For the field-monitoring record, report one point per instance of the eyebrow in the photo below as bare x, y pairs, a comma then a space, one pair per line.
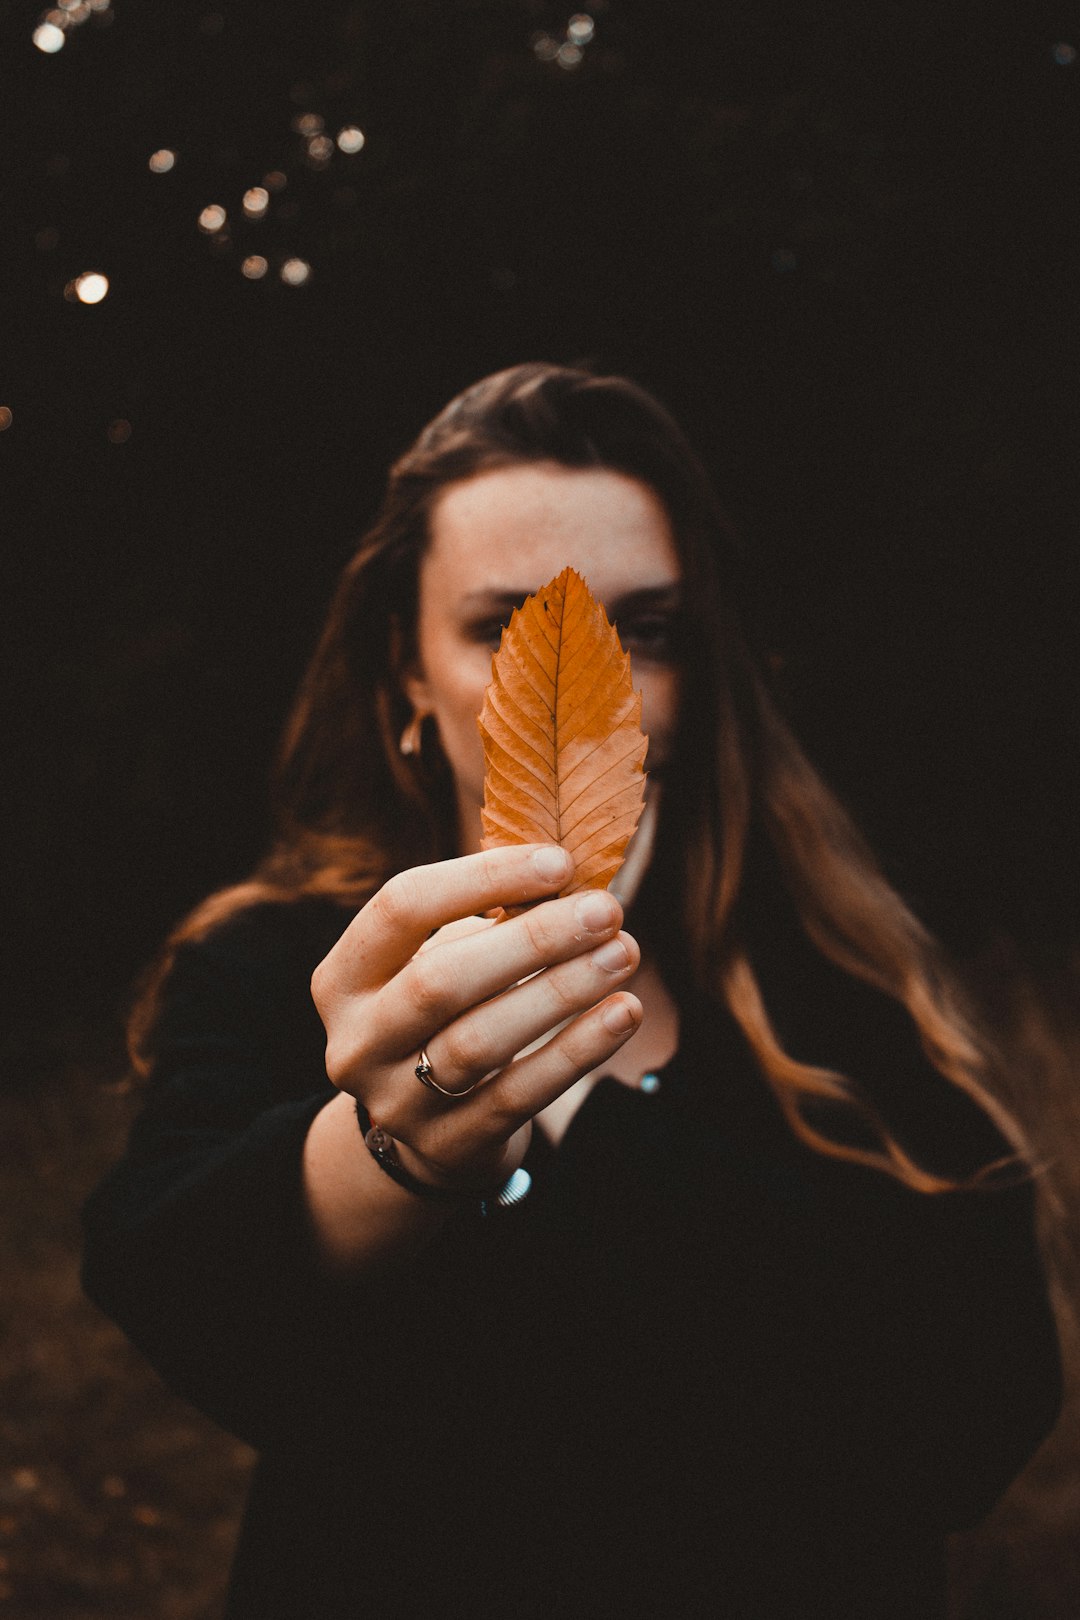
667, 594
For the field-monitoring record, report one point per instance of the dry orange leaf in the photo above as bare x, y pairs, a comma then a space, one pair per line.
561, 723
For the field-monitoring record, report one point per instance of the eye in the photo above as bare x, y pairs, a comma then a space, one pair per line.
486, 632
650, 635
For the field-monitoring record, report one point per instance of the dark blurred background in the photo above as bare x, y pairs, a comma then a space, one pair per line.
839, 240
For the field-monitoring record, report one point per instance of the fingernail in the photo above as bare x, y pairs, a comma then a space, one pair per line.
552, 864
612, 957
595, 912
618, 1018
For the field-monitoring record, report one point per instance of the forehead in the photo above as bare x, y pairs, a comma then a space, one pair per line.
513, 529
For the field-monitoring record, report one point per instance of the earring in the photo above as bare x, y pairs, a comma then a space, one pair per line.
410, 737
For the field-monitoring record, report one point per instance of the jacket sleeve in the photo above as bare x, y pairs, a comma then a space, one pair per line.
197, 1243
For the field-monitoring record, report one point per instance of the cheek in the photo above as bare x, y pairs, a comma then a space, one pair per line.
459, 696
659, 709
468, 685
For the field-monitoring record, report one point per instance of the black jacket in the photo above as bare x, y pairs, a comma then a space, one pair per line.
699, 1371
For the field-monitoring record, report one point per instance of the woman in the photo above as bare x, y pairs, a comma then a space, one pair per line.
759, 1334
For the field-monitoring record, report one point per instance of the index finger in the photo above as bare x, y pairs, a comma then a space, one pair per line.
397, 920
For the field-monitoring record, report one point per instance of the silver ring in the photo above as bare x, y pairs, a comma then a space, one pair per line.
426, 1077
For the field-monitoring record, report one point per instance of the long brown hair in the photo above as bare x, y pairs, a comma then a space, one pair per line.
350, 810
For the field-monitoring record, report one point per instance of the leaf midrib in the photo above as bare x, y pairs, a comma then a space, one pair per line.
555, 718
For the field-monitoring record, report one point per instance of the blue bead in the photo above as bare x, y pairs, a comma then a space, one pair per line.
515, 1189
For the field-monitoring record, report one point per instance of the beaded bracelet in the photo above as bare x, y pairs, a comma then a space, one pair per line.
383, 1150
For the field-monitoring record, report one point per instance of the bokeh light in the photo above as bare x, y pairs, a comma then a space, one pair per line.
118, 431
275, 180
7, 416
294, 272
254, 267
568, 51
320, 150
1064, 54
256, 202
581, 28
308, 124
162, 161
351, 139
90, 287
212, 219
48, 38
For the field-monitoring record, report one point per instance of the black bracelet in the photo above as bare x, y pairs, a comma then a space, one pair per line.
383, 1150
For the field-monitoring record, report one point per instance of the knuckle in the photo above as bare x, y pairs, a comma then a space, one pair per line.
346, 1053
540, 929
563, 994
504, 1114
337, 1060
581, 1046
460, 1051
321, 982
385, 1106
428, 987
397, 902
